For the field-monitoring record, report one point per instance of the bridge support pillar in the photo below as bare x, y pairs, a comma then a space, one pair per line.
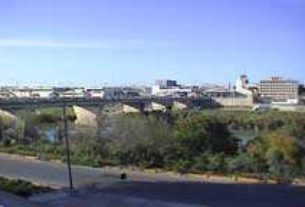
8, 116
86, 117
179, 105
130, 109
158, 107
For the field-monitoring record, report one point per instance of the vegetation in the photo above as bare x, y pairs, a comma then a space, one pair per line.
264, 145
21, 188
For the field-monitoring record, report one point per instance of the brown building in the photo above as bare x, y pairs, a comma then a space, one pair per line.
278, 89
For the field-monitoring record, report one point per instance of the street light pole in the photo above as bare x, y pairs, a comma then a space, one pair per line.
67, 147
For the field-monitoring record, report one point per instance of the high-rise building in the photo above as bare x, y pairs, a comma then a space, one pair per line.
278, 89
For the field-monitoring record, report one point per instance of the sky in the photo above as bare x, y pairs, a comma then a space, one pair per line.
121, 42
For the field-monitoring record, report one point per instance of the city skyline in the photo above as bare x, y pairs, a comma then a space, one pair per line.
132, 42
228, 84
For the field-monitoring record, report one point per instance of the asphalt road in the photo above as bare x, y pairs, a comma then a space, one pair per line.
212, 195
184, 194
154, 189
50, 173
55, 174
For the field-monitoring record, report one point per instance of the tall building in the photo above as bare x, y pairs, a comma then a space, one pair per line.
278, 90
166, 83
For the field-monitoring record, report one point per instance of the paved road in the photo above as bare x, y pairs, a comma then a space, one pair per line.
152, 189
55, 174
9, 200
213, 195
182, 194
49, 173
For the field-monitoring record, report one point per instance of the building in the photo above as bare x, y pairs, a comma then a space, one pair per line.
114, 93
279, 90
170, 88
242, 85
22, 92
5, 94
68, 92
240, 95
229, 98
144, 91
94, 93
302, 90
166, 83
41, 92
302, 94
26, 92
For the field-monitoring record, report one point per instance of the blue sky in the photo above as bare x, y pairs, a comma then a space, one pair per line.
119, 42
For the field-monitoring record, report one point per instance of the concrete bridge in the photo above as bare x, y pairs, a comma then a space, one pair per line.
87, 110
142, 104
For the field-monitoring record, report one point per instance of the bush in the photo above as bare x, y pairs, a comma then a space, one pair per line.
183, 166
201, 163
242, 163
217, 163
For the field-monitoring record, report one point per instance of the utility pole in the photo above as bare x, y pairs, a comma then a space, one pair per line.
67, 143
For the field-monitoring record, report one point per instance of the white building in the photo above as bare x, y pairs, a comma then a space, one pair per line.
31, 92
42, 92
95, 93
242, 85
67, 92
170, 88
